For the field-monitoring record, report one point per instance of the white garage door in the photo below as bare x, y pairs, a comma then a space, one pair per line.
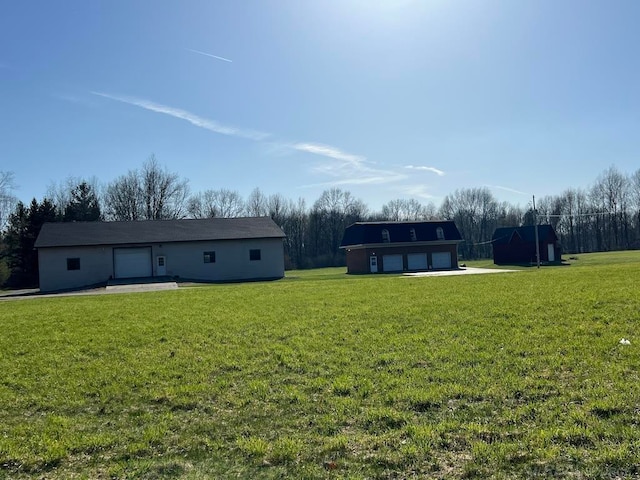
417, 261
132, 262
441, 260
392, 263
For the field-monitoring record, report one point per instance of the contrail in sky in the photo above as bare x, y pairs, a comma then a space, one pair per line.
210, 55
507, 189
346, 168
192, 118
426, 169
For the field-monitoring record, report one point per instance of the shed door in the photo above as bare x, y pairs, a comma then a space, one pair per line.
417, 261
441, 260
551, 253
392, 263
132, 262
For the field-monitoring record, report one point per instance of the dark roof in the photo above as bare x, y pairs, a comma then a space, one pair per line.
362, 233
71, 234
502, 236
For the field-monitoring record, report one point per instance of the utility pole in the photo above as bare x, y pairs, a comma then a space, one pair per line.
535, 222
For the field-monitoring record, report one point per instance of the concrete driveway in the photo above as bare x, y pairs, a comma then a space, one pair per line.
461, 271
109, 289
150, 287
141, 287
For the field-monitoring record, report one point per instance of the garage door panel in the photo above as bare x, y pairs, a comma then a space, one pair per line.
132, 262
392, 263
417, 261
441, 260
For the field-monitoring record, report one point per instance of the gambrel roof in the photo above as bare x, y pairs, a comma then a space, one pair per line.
503, 235
73, 234
367, 233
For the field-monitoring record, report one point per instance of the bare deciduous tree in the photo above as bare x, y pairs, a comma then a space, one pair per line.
475, 212
277, 208
256, 205
634, 193
610, 200
153, 193
296, 226
216, 203
7, 199
402, 210
331, 214
164, 193
123, 198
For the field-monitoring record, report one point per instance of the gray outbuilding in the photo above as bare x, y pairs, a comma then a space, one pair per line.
78, 254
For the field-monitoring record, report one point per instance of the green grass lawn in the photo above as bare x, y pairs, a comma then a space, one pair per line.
325, 375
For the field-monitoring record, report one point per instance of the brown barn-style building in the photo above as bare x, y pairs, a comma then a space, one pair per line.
377, 247
517, 245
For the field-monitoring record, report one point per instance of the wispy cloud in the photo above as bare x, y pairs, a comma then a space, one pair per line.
343, 168
370, 176
361, 180
346, 168
507, 189
328, 151
192, 118
425, 169
86, 101
210, 55
420, 191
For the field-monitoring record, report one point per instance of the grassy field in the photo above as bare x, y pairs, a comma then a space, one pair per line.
324, 375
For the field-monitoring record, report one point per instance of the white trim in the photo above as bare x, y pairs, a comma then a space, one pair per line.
402, 244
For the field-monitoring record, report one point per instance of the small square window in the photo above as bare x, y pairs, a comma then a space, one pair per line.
73, 264
209, 257
254, 254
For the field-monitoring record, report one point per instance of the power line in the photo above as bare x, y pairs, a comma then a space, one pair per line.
487, 242
560, 215
552, 215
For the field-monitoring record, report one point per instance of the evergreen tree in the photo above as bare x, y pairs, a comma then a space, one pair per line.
15, 232
83, 206
22, 231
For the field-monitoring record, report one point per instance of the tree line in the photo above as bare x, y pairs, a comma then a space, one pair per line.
604, 216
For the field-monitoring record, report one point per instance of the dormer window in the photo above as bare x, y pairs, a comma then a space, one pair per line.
440, 233
412, 235
385, 236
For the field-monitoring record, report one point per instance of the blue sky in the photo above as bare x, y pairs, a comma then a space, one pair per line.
385, 99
